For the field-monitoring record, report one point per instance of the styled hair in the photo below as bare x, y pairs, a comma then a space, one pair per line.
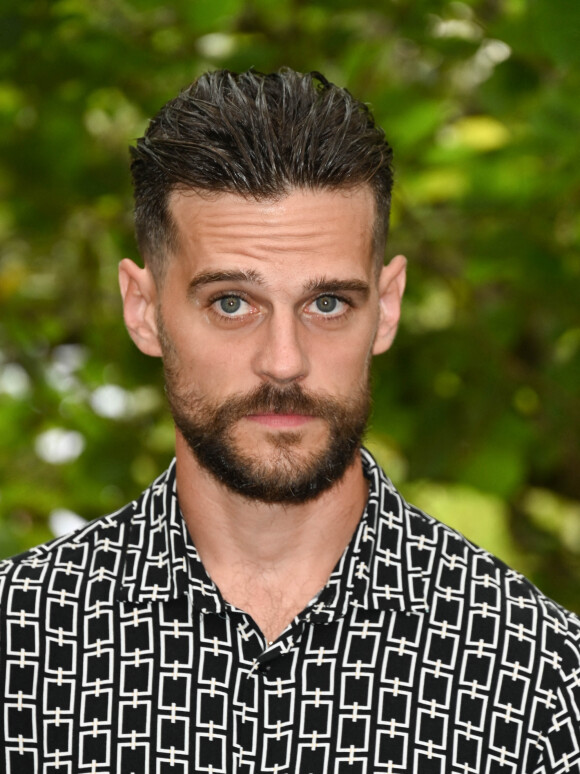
259, 136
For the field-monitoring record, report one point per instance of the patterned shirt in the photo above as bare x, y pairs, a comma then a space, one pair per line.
422, 653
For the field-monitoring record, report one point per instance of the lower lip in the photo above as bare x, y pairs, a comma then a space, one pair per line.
280, 420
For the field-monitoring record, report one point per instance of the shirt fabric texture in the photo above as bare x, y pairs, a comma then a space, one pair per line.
423, 653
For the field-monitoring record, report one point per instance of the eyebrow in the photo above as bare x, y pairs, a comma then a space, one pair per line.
317, 285
323, 285
209, 277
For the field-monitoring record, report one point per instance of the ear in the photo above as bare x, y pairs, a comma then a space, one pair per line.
139, 293
391, 288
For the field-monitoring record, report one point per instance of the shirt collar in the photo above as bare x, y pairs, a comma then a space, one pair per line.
379, 569
160, 561
386, 566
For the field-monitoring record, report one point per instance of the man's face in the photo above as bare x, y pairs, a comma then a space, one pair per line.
267, 319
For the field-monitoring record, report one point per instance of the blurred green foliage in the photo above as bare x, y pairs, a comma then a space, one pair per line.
477, 414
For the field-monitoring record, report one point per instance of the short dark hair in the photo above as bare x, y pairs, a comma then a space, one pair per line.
258, 136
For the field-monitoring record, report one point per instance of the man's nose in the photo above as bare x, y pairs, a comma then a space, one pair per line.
281, 355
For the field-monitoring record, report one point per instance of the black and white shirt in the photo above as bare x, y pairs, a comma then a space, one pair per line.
423, 653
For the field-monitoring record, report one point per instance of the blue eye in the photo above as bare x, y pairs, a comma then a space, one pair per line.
230, 305
326, 304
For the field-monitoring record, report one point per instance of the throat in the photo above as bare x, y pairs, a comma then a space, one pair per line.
272, 607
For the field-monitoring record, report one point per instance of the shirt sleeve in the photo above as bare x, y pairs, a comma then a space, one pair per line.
561, 743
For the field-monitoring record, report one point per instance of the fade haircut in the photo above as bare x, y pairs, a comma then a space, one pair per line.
258, 136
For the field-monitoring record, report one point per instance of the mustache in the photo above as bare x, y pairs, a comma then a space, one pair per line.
266, 398
270, 399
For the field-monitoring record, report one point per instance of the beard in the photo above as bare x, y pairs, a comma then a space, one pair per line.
289, 474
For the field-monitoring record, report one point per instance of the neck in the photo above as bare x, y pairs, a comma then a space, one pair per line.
268, 559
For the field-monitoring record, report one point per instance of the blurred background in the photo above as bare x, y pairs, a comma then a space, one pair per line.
477, 408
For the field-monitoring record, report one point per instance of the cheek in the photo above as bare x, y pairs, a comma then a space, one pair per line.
213, 368
341, 366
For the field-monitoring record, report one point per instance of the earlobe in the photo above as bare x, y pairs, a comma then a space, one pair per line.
139, 294
391, 289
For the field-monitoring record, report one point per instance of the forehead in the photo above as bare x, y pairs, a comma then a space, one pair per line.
304, 228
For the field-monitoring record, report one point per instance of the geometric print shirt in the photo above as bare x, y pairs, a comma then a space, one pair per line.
423, 653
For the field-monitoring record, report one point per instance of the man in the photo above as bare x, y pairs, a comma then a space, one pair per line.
270, 603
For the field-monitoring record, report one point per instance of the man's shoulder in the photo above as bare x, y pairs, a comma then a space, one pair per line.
75, 551
458, 568
69, 548
446, 574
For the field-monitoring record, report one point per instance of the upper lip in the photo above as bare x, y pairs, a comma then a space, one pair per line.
279, 414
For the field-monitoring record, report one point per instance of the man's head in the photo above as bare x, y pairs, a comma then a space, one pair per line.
259, 136
262, 209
